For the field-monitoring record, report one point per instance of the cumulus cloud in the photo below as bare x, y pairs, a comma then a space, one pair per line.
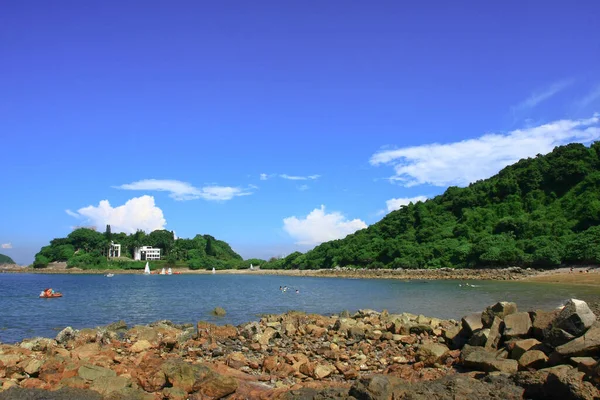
461, 163
396, 204
537, 97
299, 178
264, 177
184, 191
318, 227
6, 245
137, 213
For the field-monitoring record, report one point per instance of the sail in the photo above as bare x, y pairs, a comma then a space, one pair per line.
163, 272
169, 271
147, 269
213, 270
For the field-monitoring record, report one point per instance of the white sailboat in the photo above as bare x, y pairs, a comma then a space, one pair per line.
213, 270
169, 271
163, 272
147, 269
251, 267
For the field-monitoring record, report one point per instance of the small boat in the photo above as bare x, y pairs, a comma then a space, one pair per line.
213, 271
169, 271
110, 275
147, 269
45, 295
163, 272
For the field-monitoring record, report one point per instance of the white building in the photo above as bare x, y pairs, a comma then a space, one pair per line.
115, 250
146, 253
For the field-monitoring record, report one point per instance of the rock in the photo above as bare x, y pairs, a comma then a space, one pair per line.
33, 366
356, 333
588, 344
185, 376
575, 317
533, 359
93, 372
498, 310
66, 334
109, 384
141, 345
447, 388
556, 383
556, 337
584, 364
65, 393
517, 325
219, 312
495, 334
217, 387
482, 360
322, 371
171, 393
38, 344
431, 353
542, 322
471, 323
520, 347
266, 336
480, 337
86, 351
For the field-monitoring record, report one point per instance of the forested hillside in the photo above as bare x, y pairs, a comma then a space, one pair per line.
539, 212
6, 259
86, 248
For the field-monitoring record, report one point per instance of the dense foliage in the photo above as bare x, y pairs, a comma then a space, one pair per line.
88, 249
6, 259
540, 212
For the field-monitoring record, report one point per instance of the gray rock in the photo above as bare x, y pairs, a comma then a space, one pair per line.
495, 335
66, 334
520, 347
471, 323
480, 337
586, 345
482, 360
500, 310
575, 318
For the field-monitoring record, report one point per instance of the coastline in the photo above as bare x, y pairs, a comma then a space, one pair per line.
589, 276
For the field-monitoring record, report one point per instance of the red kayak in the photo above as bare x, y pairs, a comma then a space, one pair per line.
50, 296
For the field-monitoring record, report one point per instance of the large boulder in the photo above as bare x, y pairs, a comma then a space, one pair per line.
499, 310
432, 353
471, 323
517, 325
542, 322
575, 317
482, 360
557, 383
587, 344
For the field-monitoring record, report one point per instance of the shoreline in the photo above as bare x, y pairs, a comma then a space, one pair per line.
589, 276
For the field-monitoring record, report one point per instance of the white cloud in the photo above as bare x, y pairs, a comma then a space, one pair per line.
537, 97
6, 246
461, 163
72, 214
299, 178
318, 227
302, 188
396, 204
264, 177
137, 213
184, 191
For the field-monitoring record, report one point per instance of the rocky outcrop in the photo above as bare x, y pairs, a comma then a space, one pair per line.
369, 354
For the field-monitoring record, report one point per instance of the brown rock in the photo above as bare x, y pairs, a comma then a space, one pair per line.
517, 325
587, 344
542, 322
141, 345
533, 359
519, 347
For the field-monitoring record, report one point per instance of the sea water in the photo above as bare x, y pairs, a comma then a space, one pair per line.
95, 300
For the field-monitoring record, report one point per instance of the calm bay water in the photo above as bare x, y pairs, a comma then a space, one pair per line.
94, 300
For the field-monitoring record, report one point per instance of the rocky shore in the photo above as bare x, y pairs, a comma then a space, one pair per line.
499, 353
510, 273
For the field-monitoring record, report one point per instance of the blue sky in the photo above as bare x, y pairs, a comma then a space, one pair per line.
275, 125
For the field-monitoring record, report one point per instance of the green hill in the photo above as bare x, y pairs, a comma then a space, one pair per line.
540, 212
86, 248
6, 259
